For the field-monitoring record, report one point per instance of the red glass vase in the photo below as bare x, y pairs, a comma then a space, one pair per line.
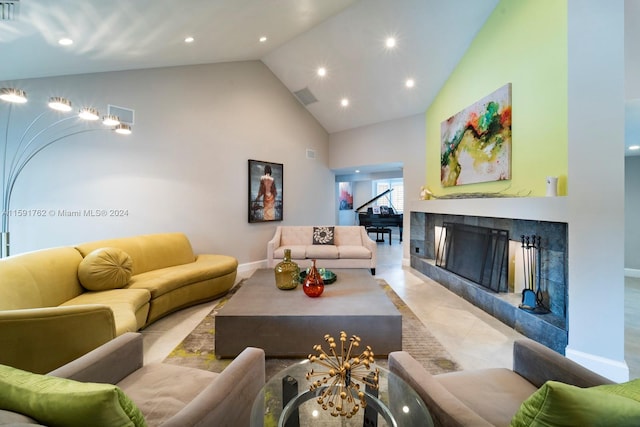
313, 285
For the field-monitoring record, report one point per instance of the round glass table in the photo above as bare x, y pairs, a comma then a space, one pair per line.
286, 400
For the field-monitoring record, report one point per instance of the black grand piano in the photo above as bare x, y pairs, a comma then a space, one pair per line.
380, 223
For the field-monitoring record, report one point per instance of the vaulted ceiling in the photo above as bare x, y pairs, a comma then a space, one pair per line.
345, 37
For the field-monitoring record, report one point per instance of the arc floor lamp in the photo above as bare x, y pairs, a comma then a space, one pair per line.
44, 130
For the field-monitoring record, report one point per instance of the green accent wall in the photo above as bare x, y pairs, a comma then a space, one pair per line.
524, 42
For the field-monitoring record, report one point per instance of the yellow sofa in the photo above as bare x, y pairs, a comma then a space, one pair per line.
48, 318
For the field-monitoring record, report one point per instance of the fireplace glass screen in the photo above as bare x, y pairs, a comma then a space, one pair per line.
479, 254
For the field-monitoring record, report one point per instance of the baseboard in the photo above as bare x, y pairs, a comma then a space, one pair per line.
251, 266
631, 272
406, 262
615, 370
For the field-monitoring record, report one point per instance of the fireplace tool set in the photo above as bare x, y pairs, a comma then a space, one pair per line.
532, 299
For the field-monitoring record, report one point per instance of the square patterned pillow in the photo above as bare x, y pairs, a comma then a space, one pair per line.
323, 235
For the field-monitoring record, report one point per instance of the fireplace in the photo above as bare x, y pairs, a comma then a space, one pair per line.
479, 254
485, 278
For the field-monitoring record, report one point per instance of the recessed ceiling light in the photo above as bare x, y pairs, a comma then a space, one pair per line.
410, 83
357, 170
390, 42
65, 41
263, 39
189, 39
634, 147
322, 71
344, 102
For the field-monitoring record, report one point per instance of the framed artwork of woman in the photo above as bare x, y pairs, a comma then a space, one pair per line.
265, 191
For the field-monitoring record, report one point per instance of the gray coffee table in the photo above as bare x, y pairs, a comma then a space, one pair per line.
289, 323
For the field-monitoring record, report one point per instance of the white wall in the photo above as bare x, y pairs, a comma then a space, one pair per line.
185, 166
596, 180
596, 185
402, 140
631, 209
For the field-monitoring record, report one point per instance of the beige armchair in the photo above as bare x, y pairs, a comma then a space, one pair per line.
490, 397
171, 395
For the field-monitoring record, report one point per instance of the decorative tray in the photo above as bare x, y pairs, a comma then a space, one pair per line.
328, 276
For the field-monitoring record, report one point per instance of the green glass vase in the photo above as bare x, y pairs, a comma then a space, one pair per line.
287, 272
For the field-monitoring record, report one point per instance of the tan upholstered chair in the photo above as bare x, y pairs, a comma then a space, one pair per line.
490, 397
171, 395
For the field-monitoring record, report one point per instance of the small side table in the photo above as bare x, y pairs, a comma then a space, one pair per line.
286, 400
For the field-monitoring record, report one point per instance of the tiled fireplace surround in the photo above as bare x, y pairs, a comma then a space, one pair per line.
549, 329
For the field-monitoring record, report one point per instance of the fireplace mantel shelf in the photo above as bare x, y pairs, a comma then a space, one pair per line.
552, 209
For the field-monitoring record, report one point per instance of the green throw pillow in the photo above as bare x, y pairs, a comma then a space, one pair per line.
630, 389
62, 402
562, 405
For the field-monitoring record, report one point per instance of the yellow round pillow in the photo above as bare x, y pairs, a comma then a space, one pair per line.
105, 268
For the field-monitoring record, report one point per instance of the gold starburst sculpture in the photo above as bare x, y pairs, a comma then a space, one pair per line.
341, 383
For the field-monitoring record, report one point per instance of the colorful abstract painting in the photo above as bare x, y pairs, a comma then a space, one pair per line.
346, 196
476, 142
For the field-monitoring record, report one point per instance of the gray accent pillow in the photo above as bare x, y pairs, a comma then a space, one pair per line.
323, 235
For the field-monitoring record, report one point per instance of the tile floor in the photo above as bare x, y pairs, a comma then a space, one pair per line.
472, 337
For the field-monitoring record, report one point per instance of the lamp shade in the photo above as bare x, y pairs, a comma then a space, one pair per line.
60, 104
88, 113
110, 120
123, 129
13, 95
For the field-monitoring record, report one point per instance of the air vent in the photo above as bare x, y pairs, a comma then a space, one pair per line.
311, 154
9, 10
305, 96
126, 115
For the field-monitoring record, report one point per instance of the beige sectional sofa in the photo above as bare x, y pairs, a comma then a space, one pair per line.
57, 304
349, 247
